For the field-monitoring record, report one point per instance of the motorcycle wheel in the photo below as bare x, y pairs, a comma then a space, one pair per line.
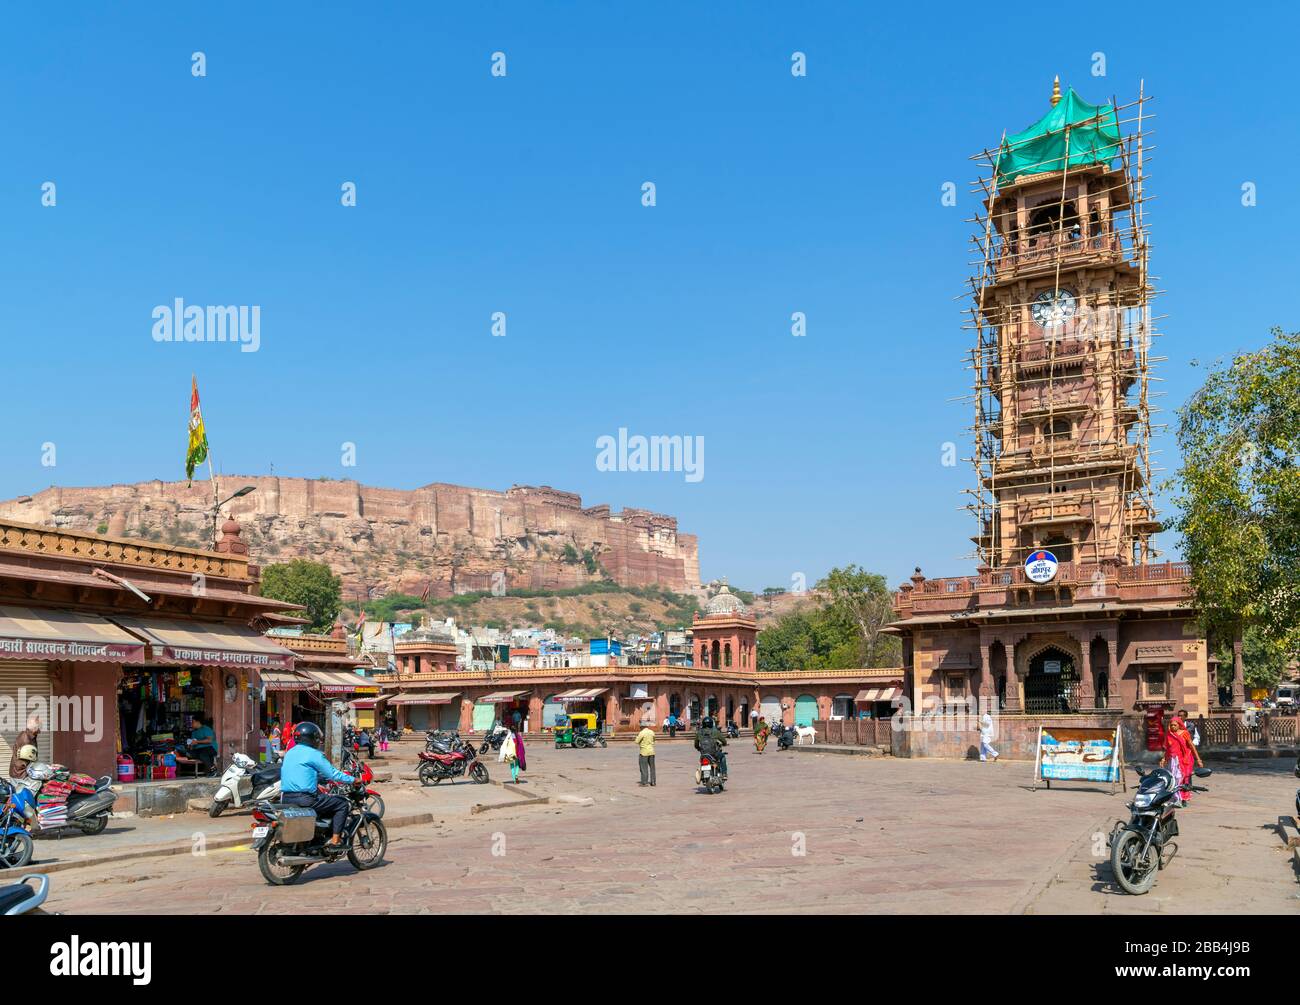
374, 804
1133, 876
16, 850
428, 775
93, 826
479, 773
274, 871
603, 743
218, 807
368, 844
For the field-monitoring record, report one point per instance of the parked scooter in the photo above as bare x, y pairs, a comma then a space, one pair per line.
733, 730
460, 759
245, 782
1142, 847
289, 839
86, 812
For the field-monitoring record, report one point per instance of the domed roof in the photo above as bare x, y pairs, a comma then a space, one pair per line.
724, 602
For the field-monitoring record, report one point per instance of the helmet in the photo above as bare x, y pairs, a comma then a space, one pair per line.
707, 723
27, 753
308, 733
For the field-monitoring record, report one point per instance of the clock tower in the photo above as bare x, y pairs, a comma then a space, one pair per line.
1063, 330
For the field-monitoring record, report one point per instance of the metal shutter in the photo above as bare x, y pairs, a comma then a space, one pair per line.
34, 678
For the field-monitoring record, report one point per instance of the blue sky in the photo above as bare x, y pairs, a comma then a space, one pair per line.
522, 194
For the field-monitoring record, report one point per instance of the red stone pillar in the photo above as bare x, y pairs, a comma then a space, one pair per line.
1087, 699
1013, 679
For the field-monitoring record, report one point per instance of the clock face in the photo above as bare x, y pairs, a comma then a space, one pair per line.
1052, 308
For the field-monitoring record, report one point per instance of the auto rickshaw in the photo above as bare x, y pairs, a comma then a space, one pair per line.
580, 724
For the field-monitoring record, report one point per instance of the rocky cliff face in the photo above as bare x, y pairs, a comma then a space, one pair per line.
446, 537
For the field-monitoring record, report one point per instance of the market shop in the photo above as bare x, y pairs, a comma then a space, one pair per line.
109, 643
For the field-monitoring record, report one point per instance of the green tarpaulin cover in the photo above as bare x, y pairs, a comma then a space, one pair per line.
1092, 132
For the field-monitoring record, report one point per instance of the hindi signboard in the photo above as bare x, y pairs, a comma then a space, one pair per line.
1078, 753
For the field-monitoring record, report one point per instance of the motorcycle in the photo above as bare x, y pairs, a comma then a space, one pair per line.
244, 782
733, 730
710, 773
1144, 845
16, 816
461, 759
20, 898
373, 801
86, 812
494, 738
586, 738
438, 742
289, 839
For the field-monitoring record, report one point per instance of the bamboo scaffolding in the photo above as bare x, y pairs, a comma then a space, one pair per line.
1063, 420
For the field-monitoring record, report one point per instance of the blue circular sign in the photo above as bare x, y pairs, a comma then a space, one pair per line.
1040, 566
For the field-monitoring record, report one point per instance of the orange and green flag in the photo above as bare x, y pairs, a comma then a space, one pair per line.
197, 452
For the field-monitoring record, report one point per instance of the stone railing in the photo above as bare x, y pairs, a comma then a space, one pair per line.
1103, 580
1232, 731
51, 542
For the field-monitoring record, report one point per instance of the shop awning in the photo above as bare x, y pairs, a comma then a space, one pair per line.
499, 696
36, 633
878, 694
328, 682
275, 681
210, 643
581, 694
364, 703
423, 699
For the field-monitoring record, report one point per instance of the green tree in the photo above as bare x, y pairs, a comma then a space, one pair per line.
311, 584
863, 600
1239, 496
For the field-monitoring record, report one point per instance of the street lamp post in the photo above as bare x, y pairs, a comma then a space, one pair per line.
216, 508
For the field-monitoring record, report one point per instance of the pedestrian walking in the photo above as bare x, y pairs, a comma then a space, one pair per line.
986, 738
512, 751
672, 725
645, 741
1191, 727
761, 732
383, 736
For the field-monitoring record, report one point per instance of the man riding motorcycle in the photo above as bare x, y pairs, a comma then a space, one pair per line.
709, 740
304, 765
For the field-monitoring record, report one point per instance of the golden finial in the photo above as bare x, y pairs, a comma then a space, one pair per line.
1056, 91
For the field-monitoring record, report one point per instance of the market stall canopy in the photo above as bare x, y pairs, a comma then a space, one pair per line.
340, 683
210, 643
877, 694
423, 699
364, 703
35, 633
581, 694
500, 696
274, 681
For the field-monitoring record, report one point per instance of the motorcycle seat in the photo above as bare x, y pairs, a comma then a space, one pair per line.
12, 896
268, 775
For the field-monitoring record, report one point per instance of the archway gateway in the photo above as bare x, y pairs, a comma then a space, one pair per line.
1052, 683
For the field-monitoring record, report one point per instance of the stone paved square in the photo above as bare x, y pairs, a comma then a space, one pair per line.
881, 835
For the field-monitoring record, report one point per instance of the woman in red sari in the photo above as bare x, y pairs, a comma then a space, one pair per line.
1180, 754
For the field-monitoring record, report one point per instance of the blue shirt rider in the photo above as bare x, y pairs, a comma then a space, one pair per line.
301, 772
